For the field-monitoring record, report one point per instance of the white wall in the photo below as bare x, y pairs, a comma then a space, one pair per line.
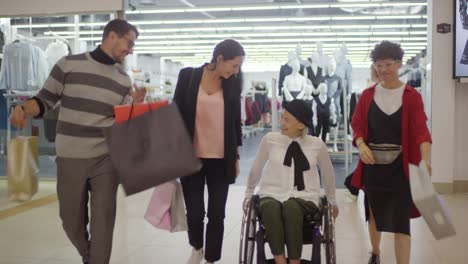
11, 8
170, 72
461, 133
449, 102
160, 71
150, 64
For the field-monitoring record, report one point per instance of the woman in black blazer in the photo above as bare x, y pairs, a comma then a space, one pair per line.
208, 98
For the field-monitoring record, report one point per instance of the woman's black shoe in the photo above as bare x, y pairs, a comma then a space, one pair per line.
374, 259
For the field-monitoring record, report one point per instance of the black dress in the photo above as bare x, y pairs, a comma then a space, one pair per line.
386, 187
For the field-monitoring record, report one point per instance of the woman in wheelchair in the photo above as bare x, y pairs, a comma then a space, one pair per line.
286, 169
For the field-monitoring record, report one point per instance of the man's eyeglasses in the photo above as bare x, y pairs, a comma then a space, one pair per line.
130, 42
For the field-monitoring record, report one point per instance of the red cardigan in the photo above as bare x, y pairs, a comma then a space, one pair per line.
414, 130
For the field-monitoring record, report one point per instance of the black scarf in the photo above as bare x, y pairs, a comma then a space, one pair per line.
301, 163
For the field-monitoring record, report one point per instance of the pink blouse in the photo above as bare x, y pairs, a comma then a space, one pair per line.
209, 125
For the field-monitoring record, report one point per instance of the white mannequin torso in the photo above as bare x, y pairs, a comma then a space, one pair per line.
294, 82
323, 98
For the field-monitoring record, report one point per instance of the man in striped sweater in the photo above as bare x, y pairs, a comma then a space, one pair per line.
88, 86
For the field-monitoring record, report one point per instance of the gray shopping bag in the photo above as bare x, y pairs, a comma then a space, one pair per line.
151, 149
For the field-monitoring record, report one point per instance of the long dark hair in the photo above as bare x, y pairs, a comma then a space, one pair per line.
229, 49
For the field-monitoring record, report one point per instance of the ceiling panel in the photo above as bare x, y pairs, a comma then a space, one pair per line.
186, 31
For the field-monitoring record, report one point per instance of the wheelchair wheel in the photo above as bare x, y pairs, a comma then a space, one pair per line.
248, 230
329, 234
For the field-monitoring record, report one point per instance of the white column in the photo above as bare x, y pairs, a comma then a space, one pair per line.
440, 50
274, 108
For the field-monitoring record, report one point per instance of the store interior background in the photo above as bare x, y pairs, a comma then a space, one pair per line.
176, 34
268, 33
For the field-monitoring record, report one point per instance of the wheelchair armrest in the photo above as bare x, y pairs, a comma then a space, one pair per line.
255, 202
323, 203
316, 217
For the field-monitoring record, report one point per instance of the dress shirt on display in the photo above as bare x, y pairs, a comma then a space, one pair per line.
55, 51
24, 67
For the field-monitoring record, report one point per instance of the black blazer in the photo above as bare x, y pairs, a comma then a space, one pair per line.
186, 99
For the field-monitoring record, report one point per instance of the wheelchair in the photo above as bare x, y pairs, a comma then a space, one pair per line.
318, 230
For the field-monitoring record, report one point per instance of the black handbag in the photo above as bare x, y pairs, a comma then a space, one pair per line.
353, 190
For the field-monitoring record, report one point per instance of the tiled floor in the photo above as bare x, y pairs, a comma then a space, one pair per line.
36, 236
32, 234
46, 187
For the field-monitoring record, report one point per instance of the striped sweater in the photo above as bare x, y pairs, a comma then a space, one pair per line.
87, 91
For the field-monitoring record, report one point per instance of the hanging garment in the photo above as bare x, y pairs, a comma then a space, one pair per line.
24, 67
257, 114
55, 51
263, 104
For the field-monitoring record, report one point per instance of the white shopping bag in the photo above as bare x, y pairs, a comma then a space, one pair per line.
429, 203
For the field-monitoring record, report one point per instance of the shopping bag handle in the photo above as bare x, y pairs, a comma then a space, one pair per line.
131, 110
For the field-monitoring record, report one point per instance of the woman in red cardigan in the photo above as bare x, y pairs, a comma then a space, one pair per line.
390, 131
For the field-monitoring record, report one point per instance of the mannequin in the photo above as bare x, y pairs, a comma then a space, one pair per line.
286, 70
304, 63
334, 83
335, 89
344, 71
315, 73
323, 58
323, 109
344, 68
294, 85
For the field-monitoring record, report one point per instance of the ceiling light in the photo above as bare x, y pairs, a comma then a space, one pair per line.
353, 4
275, 19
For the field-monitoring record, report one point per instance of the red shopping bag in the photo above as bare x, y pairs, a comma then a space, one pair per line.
122, 112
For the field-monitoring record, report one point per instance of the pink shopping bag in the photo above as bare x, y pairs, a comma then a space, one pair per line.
158, 212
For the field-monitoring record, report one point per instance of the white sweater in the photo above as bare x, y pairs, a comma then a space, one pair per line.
277, 180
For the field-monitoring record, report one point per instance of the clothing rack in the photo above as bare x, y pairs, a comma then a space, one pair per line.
56, 36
